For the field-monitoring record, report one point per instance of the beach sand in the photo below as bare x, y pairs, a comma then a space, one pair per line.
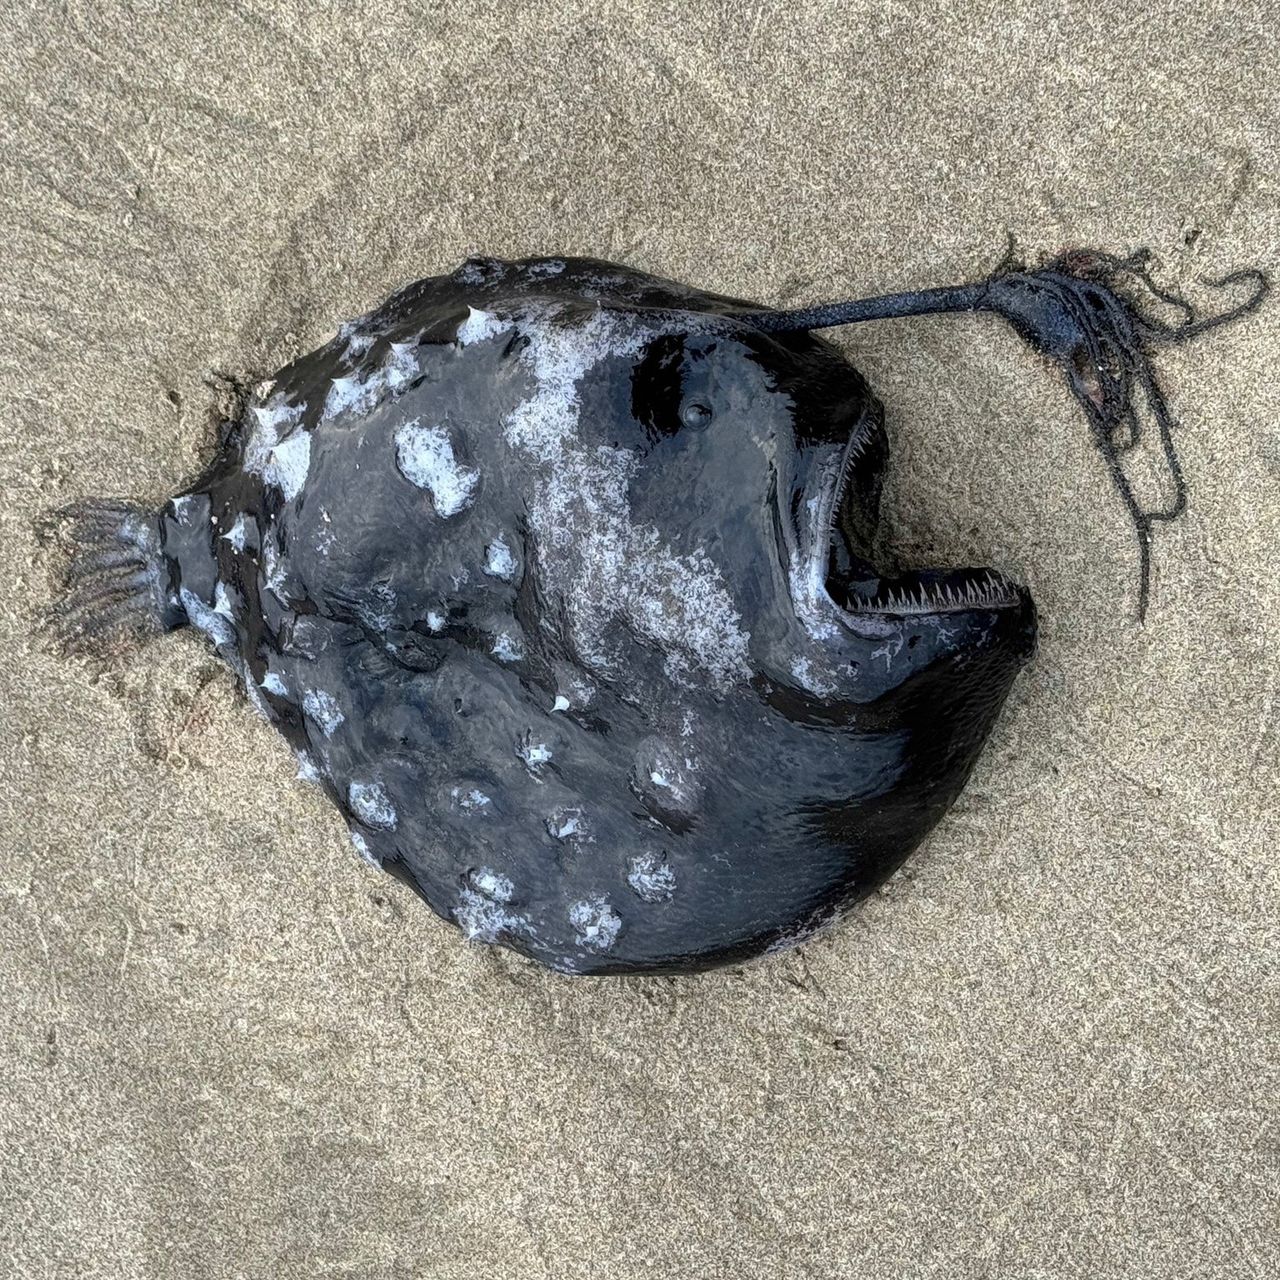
1048, 1048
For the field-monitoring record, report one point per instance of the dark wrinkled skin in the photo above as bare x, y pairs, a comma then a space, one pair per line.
800, 753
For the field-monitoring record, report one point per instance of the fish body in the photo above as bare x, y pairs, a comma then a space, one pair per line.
558, 578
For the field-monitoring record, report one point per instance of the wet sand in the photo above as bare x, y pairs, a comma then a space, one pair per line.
1046, 1049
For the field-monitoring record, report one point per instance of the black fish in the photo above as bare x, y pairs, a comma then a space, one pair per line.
557, 577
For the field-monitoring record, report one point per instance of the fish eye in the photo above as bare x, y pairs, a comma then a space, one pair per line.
695, 414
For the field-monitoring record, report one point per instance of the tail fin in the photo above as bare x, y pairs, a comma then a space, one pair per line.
115, 586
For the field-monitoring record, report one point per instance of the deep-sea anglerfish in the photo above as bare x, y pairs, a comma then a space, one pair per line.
560, 579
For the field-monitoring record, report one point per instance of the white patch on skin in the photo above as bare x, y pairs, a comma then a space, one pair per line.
593, 556
804, 674
551, 267
371, 804
221, 601
481, 919
507, 648
214, 622
357, 341
473, 273
290, 462
359, 392
217, 624
378, 613
534, 754
277, 451
307, 769
889, 650
349, 394
435, 621
425, 458
498, 560
362, 848
273, 568
235, 535
325, 534
480, 326
651, 878
568, 824
494, 886
670, 778
468, 801
183, 508
322, 707
273, 683
561, 703
595, 923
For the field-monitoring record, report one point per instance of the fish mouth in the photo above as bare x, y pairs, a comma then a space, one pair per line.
842, 526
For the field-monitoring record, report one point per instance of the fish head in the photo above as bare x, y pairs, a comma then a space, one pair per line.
722, 487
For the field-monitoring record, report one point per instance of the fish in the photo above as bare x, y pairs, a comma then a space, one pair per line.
561, 580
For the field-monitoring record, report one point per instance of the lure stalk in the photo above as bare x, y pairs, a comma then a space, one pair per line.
1074, 311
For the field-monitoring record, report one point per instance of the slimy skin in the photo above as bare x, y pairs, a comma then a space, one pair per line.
556, 578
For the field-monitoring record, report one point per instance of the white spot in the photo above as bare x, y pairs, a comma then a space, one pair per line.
214, 622
274, 573
184, 508
498, 560
235, 535
595, 558
357, 340
534, 754
659, 769
435, 621
507, 647
222, 601
595, 923
479, 270
307, 769
273, 683
561, 703
481, 919
807, 678
549, 267
290, 461
277, 451
323, 708
371, 804
379, 612
565, 824
480, 326
351, 394
492, 885
362, 848
425, 458
651, 878
469, 800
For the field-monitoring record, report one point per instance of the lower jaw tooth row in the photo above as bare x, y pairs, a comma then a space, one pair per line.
972, 594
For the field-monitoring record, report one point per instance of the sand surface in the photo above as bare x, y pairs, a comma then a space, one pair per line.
1049, 1048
